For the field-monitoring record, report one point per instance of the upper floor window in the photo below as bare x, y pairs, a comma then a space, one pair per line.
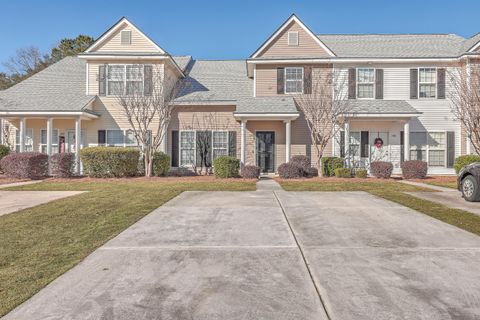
366, 83
293, 38
294, 80
427, 82
125, 79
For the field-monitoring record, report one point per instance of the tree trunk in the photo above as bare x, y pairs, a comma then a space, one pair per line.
148, 163
319, 167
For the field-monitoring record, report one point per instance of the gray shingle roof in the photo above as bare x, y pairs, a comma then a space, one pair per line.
393, 46
182, 61
469, 43
60, 87
280, 104
380, 107
220, 80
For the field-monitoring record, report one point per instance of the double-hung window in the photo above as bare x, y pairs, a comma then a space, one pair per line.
43, 141
427, 83
28, 140
418, 146
220, 144
294, 80
354, 144
436, 149
429, 147
125, 79
115, 138
366, 83
187, 148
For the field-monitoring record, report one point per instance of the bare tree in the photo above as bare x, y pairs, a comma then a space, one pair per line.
26, 61
324, 108
205, 123
465, 100
6, 133
149, 108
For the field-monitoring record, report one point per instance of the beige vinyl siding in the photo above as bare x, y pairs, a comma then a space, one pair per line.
266, 77
139, 43
307, 46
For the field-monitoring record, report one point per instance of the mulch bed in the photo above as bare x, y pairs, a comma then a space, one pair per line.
6, 180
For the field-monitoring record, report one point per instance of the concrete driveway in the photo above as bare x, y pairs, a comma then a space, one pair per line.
273, 255
12, 201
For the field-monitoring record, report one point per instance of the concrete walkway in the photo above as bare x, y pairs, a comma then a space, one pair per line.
17, 184
12, 201
268, 184
449, 197
273, 255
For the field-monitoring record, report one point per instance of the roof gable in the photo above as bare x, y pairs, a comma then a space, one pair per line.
110, 41
309, 45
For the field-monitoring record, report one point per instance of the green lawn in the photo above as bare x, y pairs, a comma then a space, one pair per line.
446, 184
39, 244
393, 191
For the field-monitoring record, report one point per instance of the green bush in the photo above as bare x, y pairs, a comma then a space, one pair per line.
110, 162
361, 173
462, 161
329, 164
161, 164
4, 150
343, 172
226, 167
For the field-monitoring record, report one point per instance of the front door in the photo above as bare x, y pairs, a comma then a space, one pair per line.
265, 148
70, 141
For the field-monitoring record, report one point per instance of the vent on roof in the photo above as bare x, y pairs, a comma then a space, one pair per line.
126, 37
293, 38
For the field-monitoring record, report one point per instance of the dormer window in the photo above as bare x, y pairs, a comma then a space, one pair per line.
126, 37
293, 38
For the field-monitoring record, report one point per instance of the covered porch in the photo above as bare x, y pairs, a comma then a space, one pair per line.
47, 132
388, 131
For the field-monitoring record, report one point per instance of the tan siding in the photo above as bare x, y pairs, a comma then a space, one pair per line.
307, 46
204, 118
139, 43
266, 77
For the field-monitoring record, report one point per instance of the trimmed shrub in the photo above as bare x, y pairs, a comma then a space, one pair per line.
161, 164
361, 173
311, 172
31, 165
226, 167
381, 169
61, 164
463, 161
414, 169
250, 172
4, 151
343, 172
109, 162
290, 171
302, 161
329, 164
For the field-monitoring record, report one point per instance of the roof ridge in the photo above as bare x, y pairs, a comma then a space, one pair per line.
389, 34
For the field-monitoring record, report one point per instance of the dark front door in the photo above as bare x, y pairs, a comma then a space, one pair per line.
266, 150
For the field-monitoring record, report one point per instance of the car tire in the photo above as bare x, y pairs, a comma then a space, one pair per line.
470, 189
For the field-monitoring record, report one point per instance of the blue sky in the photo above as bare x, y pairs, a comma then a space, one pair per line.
225, 29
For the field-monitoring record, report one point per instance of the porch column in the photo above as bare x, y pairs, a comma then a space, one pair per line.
406, 141
23, 124
243, 129
288, 138
49, 135
347, 142
77, 143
